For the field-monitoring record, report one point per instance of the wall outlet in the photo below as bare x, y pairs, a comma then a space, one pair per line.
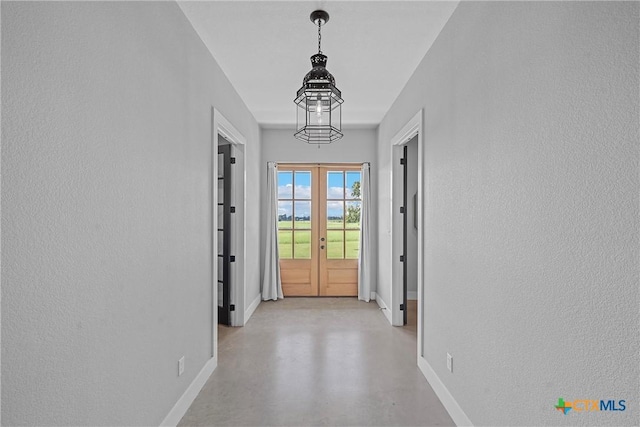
181, 366
450, 363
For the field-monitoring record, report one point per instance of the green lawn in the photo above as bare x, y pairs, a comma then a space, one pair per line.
302, 243
332, 223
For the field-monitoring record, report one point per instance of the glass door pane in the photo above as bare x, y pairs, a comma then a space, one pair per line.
297, 229
341, 207
294, 214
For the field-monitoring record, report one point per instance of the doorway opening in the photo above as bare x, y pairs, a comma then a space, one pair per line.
407, 226
224, 231
228, 226
319, 209
410, 234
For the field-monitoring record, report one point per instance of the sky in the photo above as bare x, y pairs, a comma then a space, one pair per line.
302, 190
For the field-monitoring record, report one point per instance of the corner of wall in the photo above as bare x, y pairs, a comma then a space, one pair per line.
184, 402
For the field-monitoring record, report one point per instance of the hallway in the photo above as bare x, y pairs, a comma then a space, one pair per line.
322, 361
526, 206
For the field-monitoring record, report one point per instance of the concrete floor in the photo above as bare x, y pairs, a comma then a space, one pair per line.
317, 361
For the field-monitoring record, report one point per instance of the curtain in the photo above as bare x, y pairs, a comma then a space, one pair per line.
271, 283
364, 257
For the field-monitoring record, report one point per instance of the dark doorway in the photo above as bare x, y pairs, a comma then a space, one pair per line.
224, 234
410, 231
405, 255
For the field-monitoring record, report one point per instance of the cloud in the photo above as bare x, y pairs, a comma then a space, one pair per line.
334, 193
303, 209
287, 191
303, 192
284, 208
334, 208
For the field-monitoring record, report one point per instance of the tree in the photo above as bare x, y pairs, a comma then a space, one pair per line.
355, 190
353, 210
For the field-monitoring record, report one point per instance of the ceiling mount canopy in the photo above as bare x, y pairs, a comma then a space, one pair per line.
319, 17
319, 112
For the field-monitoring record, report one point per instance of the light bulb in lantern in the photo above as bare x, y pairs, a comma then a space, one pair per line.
319, 110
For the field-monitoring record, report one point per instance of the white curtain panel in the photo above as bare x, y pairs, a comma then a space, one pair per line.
364, 258
271, 283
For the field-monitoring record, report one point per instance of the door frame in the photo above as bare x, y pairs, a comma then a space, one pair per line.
325, 263
410, 130
221, 126
313, 261
316, 195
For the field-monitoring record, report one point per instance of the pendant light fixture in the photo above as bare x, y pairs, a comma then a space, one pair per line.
319, 112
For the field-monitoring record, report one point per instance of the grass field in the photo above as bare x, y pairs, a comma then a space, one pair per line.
332, 223
335, 243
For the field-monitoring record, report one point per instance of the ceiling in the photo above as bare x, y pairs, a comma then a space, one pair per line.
373, 47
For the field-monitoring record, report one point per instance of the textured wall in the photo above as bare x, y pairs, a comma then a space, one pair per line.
357, 146
106, 260
531, 213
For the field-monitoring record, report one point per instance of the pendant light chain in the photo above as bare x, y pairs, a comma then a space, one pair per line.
319, 35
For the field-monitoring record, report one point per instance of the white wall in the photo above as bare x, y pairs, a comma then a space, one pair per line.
106, 233
358, 145
253, 219
531, 207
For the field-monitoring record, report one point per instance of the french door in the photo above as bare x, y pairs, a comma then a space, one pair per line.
319, 229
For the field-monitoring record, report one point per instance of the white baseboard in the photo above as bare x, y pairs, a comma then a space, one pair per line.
385, 310
252, 307
412, 295
450, 404
187, 398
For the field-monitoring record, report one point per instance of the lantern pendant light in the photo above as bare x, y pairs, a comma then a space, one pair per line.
319, 102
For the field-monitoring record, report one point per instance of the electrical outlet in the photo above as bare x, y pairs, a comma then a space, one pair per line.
181, 366
450, 363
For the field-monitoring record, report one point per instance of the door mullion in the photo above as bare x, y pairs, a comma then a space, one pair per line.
344, 214
315, 238
322, 227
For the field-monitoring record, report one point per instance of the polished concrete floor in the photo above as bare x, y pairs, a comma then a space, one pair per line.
317, 361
